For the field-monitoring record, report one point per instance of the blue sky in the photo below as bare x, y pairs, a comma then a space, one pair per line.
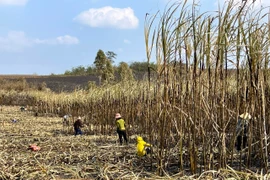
51, 36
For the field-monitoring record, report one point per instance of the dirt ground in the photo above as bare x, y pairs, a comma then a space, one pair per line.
65, 156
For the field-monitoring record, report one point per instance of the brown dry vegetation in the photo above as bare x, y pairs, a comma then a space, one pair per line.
64, 156
189, 115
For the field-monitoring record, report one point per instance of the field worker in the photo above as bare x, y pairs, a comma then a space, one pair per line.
14, 120
143, 148
22, 108
58, 110
65, 119
77, 126
121, 129
242, 130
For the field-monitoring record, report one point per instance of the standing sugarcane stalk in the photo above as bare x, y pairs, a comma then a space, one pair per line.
264, 128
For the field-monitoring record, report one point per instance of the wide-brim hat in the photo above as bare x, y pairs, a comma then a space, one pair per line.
245, 116
117, 115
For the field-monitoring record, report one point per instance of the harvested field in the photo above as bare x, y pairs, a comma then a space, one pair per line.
57, 83
65, 156
62, 155
64, 83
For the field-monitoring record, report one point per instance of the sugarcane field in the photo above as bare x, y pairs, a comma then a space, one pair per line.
97, 153
200, 113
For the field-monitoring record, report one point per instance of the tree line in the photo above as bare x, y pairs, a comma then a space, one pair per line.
103, 68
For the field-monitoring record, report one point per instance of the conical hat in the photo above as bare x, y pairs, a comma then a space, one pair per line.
245, 116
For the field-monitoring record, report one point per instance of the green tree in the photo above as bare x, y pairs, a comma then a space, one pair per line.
67, 72
100, 61
109, 72
103, 66
125, 72
141, 66
90, 70
111, 56
80, 70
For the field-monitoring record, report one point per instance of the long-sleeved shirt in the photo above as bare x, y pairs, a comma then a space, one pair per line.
141, 144
242, 124
241, 127
120, 123
78, 124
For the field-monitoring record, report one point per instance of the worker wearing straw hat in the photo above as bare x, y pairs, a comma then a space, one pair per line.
242, 129
121, 129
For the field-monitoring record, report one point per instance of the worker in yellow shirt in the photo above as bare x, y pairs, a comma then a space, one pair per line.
121, 129
143, 148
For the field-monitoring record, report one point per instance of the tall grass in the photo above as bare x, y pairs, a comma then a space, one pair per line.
211, 44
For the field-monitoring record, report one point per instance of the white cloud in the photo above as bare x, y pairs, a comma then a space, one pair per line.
67, 39
127, 41
120, 50
109, 17
17, 41
170, 2
13, 2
